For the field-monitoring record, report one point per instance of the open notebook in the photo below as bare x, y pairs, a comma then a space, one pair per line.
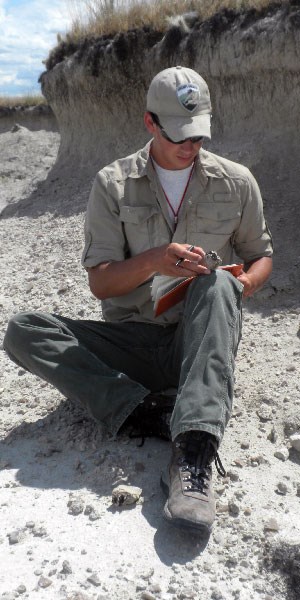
167, 291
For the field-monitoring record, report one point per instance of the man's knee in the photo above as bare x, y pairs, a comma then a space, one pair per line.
220, 287
218, 281
17, 332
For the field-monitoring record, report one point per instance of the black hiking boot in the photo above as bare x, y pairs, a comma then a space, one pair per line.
151, 418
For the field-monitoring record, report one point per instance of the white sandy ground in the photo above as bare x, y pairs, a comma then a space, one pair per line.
60, 537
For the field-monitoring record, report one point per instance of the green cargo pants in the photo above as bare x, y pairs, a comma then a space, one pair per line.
111, 367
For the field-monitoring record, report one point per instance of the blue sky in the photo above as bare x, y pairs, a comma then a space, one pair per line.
28, 30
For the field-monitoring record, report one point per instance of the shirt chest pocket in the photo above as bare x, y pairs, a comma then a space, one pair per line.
218, 218
142, 227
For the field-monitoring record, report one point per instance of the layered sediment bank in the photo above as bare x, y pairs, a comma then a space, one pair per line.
250, 61
33, 118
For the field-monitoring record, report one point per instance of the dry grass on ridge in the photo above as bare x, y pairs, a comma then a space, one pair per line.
100, 17
26, 100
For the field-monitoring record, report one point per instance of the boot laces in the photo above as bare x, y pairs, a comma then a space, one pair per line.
198, 453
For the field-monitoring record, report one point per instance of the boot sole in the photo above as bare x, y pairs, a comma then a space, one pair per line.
203, 528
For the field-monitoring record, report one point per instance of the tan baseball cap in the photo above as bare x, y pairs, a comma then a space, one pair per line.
180, 98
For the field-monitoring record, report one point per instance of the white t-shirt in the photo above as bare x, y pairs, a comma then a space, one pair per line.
173, 184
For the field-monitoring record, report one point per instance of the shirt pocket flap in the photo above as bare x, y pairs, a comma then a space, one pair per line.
219, 211
137, 214
222, 197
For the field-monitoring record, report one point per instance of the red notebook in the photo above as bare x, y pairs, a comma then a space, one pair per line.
177, 293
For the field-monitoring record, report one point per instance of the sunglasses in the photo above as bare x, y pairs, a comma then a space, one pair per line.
194, 140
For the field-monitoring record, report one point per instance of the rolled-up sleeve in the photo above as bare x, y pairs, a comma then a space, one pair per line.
104, 239
252, 239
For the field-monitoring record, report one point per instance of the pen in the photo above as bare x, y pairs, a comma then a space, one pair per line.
180, 260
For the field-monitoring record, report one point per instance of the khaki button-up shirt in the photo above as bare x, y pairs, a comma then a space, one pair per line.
127, 214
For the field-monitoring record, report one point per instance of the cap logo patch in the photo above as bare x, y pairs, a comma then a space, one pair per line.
188, 95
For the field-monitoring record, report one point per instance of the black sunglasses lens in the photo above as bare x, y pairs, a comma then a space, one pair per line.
197, 139
194, 140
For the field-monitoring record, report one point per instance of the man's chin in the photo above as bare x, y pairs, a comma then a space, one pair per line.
185, 162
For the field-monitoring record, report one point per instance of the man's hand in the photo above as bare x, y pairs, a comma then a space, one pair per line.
249, 287
180, 260
255, 275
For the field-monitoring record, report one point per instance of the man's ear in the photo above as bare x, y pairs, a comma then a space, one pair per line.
149, 122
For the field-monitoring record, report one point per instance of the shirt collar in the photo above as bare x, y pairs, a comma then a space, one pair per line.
142, 164
206, 165
209, 165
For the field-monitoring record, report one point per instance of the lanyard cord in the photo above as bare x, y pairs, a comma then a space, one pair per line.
176, 213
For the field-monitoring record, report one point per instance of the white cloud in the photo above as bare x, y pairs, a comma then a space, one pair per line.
28, 30
6, 79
